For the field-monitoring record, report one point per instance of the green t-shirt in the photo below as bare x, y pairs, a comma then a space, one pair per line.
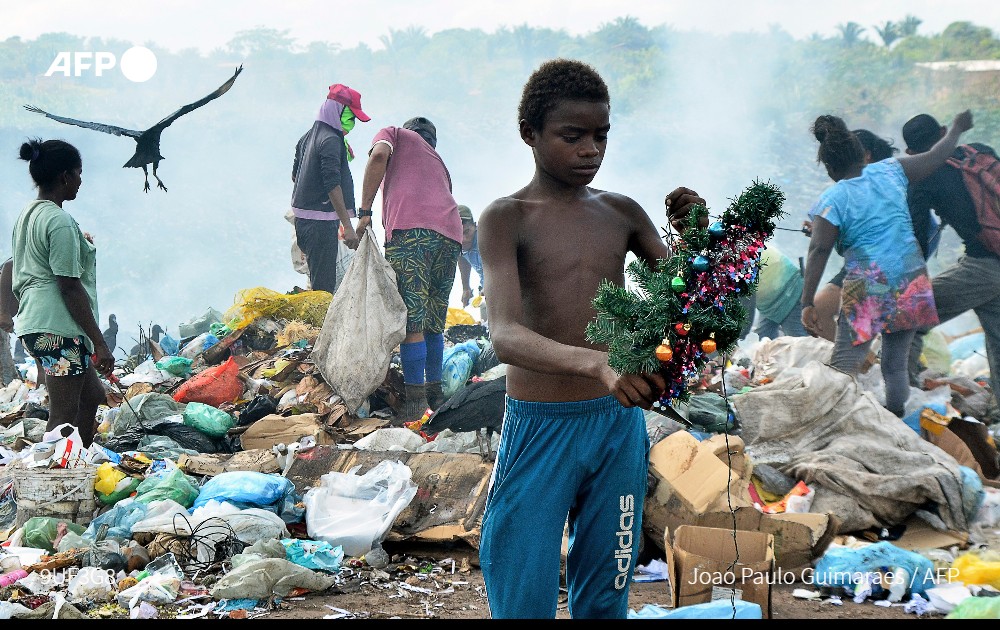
47, 243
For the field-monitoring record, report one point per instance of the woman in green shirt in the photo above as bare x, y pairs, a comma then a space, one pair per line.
55, 284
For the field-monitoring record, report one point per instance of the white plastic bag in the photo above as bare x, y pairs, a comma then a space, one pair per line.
357, 511
91, 583
365, 322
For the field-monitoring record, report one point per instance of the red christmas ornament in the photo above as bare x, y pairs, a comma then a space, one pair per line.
682, 329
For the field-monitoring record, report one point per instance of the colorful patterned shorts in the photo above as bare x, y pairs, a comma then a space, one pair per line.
58, 356
425, 264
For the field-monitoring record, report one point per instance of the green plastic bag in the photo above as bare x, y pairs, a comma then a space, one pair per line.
211, 421
178, 366
118, 495
976, 608
219, 329
40, 531
168, 484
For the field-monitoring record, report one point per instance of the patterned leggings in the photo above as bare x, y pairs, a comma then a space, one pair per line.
425, 264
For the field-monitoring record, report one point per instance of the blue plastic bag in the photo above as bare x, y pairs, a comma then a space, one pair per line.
169, 345
120, 519
913, 420
249, 489
718, 609
973, 494
457, 366
318, 556
842, 566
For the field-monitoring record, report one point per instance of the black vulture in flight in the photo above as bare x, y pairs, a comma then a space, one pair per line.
147, 150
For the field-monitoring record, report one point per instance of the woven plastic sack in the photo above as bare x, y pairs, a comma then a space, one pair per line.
365, 322
215, 386
251, 304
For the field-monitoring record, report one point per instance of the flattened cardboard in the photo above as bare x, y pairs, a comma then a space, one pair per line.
256, 460
451, 489
920, 535
702, 562
274, 429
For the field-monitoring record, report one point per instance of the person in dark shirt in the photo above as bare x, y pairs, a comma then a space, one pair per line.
972, 283
323, 192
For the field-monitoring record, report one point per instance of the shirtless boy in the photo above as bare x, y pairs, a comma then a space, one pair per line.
574, 442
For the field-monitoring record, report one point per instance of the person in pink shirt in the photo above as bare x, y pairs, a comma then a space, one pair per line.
423, 241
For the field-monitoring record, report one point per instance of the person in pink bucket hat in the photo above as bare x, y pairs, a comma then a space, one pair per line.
323, 189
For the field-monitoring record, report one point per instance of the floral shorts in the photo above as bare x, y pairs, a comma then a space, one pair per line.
58, 356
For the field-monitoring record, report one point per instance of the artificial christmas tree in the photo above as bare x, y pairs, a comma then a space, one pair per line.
688, 307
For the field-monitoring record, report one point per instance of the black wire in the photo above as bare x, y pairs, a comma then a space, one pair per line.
202, 535
729, 494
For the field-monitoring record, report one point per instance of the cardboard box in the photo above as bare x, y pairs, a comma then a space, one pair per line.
274, 429
707, 563
691, 489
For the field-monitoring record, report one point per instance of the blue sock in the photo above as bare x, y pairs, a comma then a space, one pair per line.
414, 358
435, 356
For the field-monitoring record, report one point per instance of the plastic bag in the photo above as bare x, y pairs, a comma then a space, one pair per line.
120, 491
107, 478
120, 519
215, 386
168, 484
976, 608
842, 566
199, 323
151, 407
211, 421
365, 322
319, 556
262, 578
717, 609
357, 511
91, 583
262, 405
178, 366
157, 589
40, 532
457, 366
973, 569
169, 345
246, 489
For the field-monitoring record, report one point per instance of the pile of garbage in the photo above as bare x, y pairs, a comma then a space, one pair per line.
233, 472
896, 512
228, 476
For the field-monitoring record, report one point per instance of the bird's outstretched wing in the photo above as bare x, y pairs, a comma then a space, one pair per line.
222, 89
117, 131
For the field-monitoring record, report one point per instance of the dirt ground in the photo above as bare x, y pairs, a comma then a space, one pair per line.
438, 593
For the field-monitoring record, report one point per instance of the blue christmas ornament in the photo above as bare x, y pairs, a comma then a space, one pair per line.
717, 230
700, 263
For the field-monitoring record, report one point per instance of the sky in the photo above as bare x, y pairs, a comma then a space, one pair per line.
184, 281
177, 24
